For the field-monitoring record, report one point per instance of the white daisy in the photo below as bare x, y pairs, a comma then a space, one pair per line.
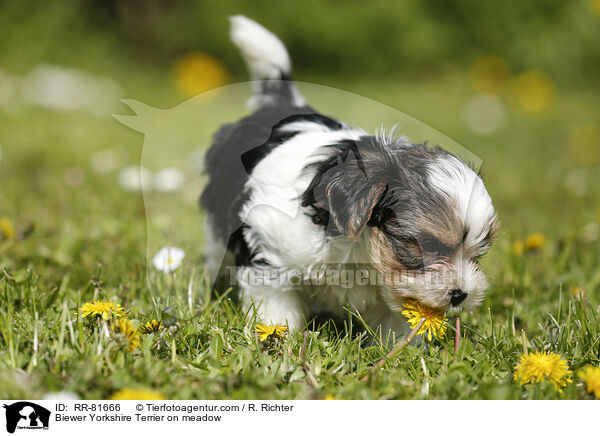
135, 178
169, 179
168, 259
61, 396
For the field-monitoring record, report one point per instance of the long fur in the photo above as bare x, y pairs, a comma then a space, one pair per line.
304, 202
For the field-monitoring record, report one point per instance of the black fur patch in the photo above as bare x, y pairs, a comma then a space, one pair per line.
236, 150
356, 170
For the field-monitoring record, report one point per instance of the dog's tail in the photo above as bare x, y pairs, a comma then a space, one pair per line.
268, 63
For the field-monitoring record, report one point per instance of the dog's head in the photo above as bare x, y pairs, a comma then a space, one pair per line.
428, 215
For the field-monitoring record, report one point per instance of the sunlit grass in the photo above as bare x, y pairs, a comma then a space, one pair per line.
72, 245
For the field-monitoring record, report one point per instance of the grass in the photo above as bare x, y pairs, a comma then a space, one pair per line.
87, 241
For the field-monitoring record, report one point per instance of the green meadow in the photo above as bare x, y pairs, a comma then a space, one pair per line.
71, 233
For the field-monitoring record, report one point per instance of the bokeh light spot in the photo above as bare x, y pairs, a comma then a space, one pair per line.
533, 91
196, 73
484, 114
584, 144
489, 74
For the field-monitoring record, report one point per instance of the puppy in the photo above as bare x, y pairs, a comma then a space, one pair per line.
319, 215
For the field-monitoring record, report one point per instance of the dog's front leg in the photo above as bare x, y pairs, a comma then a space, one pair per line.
388, 325
273, 302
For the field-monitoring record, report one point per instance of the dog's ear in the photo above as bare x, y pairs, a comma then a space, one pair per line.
345, 192
351, 202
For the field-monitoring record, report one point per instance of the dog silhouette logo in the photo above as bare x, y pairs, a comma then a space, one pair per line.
26, 415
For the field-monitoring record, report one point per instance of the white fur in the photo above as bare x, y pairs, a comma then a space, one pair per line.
465, 188
263, 52
434, 286
278, 229
265, 56
289, 249
474, 206
281, 233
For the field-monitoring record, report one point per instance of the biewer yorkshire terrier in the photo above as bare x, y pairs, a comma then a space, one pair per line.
302, 201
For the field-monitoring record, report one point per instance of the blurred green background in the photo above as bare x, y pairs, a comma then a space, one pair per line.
407, 39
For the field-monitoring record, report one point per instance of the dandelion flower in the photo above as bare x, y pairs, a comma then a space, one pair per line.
168, 259
7, 229
578, 292
137, 394
105, 309
267, 331
534, 92
435, 322
151, 326
539, 366
591, 377
129, 332
518, 247
534, 241
198, 72
329, 397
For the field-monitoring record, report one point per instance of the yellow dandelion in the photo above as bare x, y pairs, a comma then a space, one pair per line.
518, 247
131, 335
435, 322
7, 229
137, 394
539, 366
578, 292
584, 144
151, 326
105, 309
265, 332
534, 241
489, 74
329, 397
196, 73
533, 91
591, 376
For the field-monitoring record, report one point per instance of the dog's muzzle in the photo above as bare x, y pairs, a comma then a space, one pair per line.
458, 296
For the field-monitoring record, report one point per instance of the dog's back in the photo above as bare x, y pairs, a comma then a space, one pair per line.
293, 193
239, 146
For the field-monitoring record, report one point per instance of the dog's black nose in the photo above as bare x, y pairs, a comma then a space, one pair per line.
458, 296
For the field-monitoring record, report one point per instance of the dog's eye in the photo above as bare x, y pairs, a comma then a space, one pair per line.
408, 251
432, 246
